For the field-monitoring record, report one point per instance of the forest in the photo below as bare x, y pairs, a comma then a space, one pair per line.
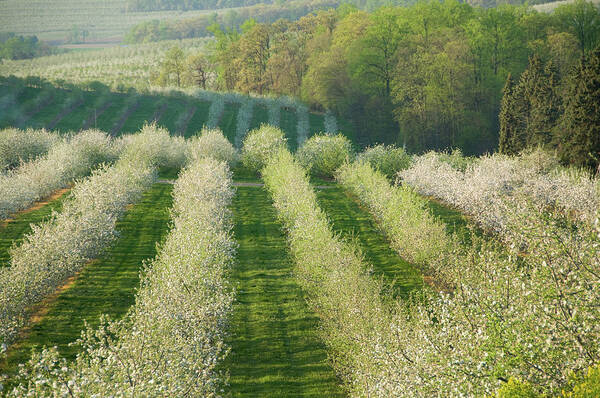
428, 76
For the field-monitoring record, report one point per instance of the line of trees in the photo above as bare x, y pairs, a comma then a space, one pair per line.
185, 5
560, 112
428, 76
157, 30
22, 47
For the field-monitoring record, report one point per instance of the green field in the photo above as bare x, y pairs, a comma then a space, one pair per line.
118, 113
107, 21
275, 348
106, 286
14, 231
356, 224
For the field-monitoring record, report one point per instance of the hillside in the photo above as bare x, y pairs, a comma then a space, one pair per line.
129, 66
56, 20
549, 7
71, 108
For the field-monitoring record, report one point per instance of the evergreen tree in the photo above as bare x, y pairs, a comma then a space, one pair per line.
545, 105
579, 131
507, 117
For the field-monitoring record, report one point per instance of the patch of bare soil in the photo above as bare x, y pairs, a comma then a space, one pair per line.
37, 205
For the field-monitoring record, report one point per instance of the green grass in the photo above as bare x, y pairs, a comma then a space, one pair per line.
260, 115
228, 122
288, 123
112, 114
148, 104
276, 351
354, 223
47, 115
105, 286
456, 222
75, 120
317, 124
143, 114
14, 231
199, 119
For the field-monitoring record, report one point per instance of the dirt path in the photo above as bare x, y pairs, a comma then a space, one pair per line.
37, 205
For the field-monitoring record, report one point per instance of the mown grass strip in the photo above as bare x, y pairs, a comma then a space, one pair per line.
276, 350
316, 123
105, 286
228, 122
199, 119
260, 115
13, 231
289, 124
354, 223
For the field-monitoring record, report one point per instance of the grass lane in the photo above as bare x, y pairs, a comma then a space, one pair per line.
276, 350
14, 231
289, 123
354, 223
106, 286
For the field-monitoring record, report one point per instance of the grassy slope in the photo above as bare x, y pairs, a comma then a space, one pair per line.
288, 123
260, 115
228, 122
14, 231
200, 117
275, 346
105, 286
352, 222
149, 104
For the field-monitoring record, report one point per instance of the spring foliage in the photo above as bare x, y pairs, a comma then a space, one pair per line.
172, 340
260, 145
323, 154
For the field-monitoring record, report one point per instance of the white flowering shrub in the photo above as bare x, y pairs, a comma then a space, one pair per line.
388, 159
57, 249
481, 187
157, 144
244, 118
172, 340
330, 122
212, 144
20, 146
354, 321
323, 154
60, 247
66, 160
260, 144
401, 214
303, 123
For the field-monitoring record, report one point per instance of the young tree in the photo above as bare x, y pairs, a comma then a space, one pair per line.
172, 68
507, 118
199, 67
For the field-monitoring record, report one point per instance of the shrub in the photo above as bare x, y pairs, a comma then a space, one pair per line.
18, 146
66, 160
171, 342
260, 144
389, 160
323, 154
212, 144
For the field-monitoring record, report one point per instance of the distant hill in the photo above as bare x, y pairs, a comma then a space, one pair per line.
91, 21
549, 7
